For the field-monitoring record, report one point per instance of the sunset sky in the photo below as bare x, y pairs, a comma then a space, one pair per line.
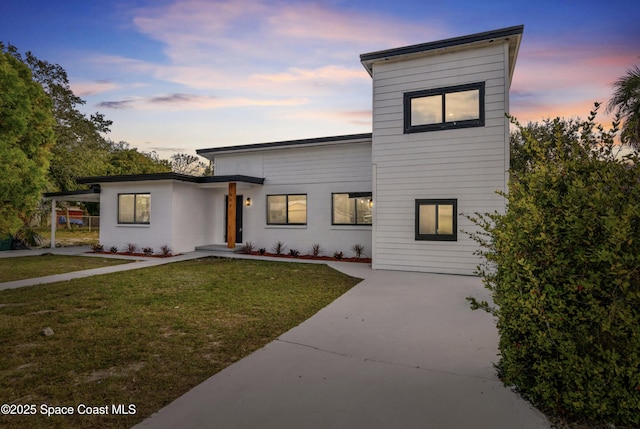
179, 75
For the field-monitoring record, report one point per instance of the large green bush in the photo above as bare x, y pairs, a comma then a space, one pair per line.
563, 266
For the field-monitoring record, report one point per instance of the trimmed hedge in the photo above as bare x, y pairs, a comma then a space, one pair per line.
563, 266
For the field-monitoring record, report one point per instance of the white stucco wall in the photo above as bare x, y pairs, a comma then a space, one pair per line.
181, 216
159, 231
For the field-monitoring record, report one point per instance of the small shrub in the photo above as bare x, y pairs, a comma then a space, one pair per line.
262, 251
278, 248
29, 235
113, 249
294, 253
147, 250
338, 255
165, 250
132, 248
248, 248
97, 247
358, 249
316, 250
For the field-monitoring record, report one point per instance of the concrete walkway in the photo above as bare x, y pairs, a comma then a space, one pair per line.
138, 262
399, 350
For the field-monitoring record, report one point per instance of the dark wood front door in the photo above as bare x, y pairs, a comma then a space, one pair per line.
239, 205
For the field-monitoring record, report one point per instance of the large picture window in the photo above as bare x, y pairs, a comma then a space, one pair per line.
134, 208
351, 208
444, 108
287, 209
437, 220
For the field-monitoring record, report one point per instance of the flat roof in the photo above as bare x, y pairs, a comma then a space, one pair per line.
280, 144
368, 59
170, 176
83, 195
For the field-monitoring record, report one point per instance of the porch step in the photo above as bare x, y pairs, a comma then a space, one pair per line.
219, 248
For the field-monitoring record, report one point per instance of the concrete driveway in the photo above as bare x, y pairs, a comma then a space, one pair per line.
399, 350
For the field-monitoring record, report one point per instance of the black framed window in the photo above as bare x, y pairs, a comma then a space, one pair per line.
437, 109
287, 209
134, 208
351, 208
437, 220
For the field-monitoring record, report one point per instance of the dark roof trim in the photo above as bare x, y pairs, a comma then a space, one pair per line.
171, 176
72, 193
440, 44
285, 143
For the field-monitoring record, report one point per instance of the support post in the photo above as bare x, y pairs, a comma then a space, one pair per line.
231, 216
54, 219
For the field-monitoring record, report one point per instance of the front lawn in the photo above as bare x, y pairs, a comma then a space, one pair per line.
18, 268
145, 337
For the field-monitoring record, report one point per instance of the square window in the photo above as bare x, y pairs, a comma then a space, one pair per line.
287, 209
444, 108
436, 220
134, 208
351, 209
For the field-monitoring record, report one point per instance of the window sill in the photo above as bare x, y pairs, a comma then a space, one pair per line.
286, 227
133, 225
351, 227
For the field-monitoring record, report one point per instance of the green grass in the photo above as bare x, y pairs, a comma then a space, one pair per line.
70, 237
147, 336
18, 268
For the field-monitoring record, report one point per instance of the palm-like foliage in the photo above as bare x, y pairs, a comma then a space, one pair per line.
626, 102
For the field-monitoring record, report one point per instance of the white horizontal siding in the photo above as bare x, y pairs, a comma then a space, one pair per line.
466, 164
317, 171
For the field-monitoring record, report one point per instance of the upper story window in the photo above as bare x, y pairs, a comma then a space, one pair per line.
287, 209
134, 208
351, 209
444, 108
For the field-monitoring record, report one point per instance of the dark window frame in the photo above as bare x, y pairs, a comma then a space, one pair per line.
354, 196
135, 201
437, 203
444, 125
287, 209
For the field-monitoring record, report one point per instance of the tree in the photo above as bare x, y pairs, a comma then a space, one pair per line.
80, 148
626, 102
562, 264
183, 163
26, 139
126, 160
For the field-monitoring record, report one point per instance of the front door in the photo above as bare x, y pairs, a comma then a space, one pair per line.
239, 204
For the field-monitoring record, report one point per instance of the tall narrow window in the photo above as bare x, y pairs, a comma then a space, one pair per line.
436, 220
287, 209
134, 208
351, 209
444, 108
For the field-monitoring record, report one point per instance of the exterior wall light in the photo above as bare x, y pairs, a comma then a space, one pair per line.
247, 202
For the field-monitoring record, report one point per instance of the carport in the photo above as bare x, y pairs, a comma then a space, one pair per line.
82, 196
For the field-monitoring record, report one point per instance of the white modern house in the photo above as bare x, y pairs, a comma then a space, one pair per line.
439, 149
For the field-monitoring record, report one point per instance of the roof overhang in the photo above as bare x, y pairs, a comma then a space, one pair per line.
82, 196
321, 141
172, 176
511, 35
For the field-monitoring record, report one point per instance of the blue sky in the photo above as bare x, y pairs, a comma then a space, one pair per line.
179, 75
